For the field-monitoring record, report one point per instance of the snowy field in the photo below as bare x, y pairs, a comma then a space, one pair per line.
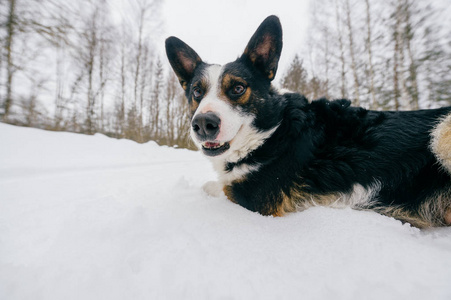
89, 217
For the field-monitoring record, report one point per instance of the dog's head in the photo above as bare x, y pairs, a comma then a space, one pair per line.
230, 105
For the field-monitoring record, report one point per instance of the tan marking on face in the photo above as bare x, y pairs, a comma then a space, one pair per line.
193, 105
183, 83
271, 75
204, 85
245, 97
228, 82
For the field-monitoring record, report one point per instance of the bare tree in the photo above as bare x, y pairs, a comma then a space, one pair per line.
408, 37
91, 39
142, 11
29, 105
59, 90
326, 59
338, 22
369, 43
352, 54
90, 58
10, 25
157, 95
121, 112
172, 89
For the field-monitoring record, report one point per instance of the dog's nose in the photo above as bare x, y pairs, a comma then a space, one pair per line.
206, 126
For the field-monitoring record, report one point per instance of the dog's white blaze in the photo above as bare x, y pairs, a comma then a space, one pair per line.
210, 100
231, 121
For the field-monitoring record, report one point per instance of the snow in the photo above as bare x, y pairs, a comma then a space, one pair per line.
89, 217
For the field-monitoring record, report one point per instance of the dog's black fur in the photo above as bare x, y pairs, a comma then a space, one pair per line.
328, 146
322, 150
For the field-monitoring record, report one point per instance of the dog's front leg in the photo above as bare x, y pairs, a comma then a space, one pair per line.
213, 188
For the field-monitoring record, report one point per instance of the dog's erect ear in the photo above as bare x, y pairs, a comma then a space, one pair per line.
265, 46
183, 59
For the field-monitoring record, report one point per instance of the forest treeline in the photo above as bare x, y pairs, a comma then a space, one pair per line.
89, 66
383, 55
92, 66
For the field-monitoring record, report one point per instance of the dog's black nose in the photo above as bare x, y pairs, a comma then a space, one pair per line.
206, 126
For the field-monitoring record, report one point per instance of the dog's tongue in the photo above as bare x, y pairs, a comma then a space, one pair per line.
212, 144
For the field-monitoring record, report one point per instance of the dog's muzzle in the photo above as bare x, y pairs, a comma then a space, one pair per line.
206, 126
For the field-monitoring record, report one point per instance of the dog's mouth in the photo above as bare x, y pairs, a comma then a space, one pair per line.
215, 148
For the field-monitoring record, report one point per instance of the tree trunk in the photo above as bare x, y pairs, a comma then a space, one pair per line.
396, 37
59, 89
408, 36
374, 105
351, 50
342, 54
92, 44
10, 29
102, 82
326, 60
142, 14
122, 123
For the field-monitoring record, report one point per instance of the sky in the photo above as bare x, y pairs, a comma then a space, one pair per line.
219, 30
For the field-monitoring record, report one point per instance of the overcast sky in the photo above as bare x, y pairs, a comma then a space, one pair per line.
219, 30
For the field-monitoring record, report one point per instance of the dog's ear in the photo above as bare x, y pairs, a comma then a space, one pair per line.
265, 46
183, 59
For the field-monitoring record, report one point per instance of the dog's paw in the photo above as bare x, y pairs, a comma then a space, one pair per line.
213, 188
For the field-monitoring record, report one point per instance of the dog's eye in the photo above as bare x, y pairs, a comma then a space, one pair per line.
238, 90
197, 93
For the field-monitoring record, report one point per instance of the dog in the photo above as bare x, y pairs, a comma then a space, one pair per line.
275, 152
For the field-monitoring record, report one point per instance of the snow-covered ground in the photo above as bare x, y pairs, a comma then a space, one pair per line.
89, 217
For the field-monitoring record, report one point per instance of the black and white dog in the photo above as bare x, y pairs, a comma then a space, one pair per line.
277, 152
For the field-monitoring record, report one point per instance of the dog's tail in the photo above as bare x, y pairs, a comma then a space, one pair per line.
441, 147
441, 142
